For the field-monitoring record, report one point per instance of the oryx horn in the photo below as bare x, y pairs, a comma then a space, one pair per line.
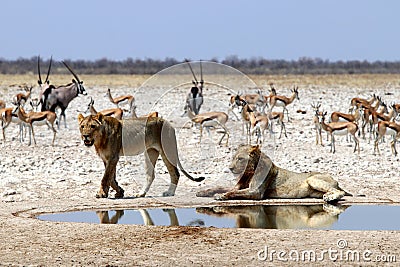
76, 76
38, 65
48, 71
194, 76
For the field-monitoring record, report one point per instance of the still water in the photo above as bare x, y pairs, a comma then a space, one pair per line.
356, 217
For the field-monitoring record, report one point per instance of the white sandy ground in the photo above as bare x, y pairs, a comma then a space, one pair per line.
42, 179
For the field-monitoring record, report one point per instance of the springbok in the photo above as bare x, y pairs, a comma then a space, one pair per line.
353, 117
318, 128
153, 114
257, 99
37, 118
356, 101
339, 128
61, 96
2, 103
22, 98
387, 128
194, 98
248, 117
115, 112
283, 101
232, 105
120, 99
8, 115
208, 120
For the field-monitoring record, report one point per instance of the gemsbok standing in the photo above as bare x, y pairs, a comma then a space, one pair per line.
61, 96
194, 98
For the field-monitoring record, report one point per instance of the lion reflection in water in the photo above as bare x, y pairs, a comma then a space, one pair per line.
104, 217
278, 217
267, 217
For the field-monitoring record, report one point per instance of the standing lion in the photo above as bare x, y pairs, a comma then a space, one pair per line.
113, 138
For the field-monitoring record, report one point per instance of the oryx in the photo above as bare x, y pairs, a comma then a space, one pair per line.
194, 98
61, 96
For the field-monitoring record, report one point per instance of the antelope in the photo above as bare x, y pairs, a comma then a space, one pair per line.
21, 97
375, 116
387, 128
265, 121
277, 116
383, 116
194, 98
368, 110
318, 128
259, 125
153, 114
7, 115
396, 107
120, 99
232, 105
257, 99
354, 117
2, 104
61, 96
356, 101
339, 128
248, 116
115, 112
37, 118
208, 120
283, 101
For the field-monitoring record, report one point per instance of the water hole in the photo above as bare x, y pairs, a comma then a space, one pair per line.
356, 217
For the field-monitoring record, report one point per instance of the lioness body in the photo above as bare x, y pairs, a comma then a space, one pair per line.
113, 138
260, 178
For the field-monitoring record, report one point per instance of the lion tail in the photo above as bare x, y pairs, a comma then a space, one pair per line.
198, 179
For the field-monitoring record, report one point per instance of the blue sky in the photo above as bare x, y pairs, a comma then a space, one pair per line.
118, 29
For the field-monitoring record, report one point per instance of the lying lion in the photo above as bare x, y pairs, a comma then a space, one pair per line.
113, 138
259, 178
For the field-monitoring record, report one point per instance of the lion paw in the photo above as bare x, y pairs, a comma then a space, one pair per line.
220, 197
140, 194
101, 195
333, 196
119, 194
332, 209
168, 194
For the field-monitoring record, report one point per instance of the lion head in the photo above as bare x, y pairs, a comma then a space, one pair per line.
249, 160
245, 159
89, 127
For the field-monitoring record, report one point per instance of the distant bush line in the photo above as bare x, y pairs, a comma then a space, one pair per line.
250, 66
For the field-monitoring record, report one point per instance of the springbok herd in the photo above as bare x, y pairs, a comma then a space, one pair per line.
369, 119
